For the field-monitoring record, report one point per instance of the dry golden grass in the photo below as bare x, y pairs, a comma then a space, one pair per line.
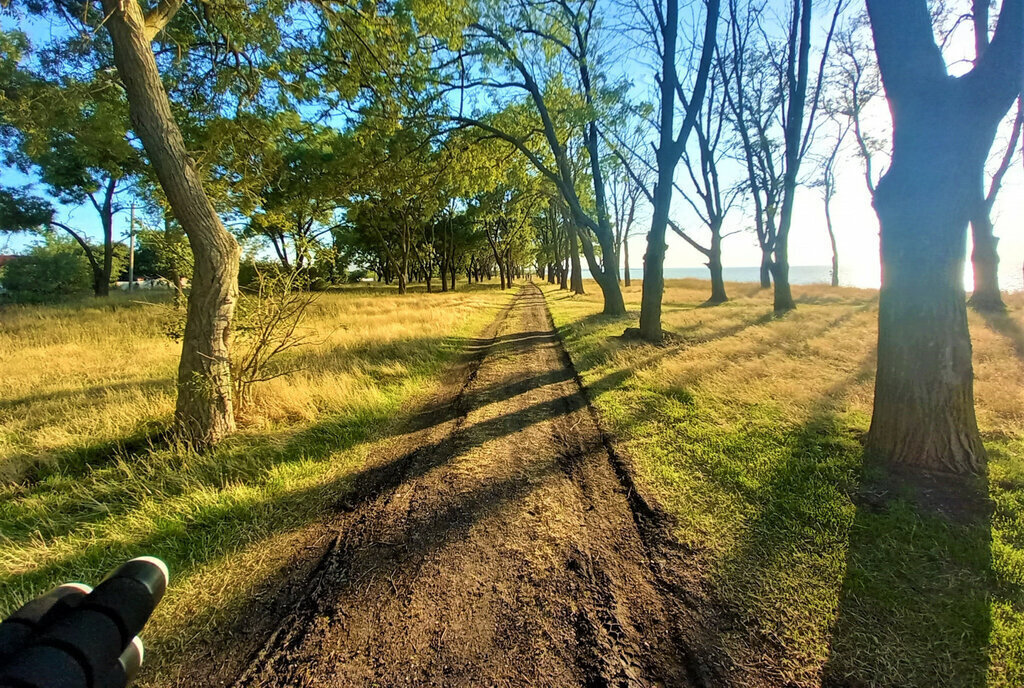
749, 428
87, 388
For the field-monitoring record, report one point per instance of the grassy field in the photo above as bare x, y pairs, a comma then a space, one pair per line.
748, 429
87, 480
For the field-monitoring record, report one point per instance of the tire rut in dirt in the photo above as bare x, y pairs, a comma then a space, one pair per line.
503, 550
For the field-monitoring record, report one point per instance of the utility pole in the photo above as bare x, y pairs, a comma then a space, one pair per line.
131, 251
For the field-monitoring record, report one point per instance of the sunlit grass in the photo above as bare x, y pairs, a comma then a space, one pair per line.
89, 482
749, 428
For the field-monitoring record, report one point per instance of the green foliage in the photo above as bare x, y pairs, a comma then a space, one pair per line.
249, 272
21, 211
163, 252
53, 268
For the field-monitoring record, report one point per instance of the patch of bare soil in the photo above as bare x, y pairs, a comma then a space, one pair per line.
504, 547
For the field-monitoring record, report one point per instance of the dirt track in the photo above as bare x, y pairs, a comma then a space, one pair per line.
500, 549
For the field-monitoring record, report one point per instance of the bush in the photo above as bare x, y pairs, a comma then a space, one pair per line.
250, 272
57, 267
358, 275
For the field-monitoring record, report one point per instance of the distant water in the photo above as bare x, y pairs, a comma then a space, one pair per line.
1011, 278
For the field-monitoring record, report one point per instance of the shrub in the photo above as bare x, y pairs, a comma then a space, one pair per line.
56, 267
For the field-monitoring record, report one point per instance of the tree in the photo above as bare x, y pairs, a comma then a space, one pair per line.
856, 85
773, 95
204, 409
943, 128
550, 54
288, 178
625, 194
399, 196
54, 267
671, 143
707, 193
827, 183
73, 133
985, 254
753, 101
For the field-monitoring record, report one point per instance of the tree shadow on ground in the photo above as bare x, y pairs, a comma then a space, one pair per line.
831, 537
93, 392
656, 354
772, 585
914, 607
192, 538
1005, 324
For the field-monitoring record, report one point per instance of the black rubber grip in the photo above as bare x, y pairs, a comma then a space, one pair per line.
17, 629
43, 666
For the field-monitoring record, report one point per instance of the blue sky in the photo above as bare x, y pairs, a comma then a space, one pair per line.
855, 221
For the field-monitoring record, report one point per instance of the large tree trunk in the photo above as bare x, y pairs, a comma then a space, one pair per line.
985, 259
780, 271
654, 259
924, 394
204, 411
576, 278
943, 129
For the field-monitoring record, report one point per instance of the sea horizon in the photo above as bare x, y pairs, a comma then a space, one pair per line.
1011, 277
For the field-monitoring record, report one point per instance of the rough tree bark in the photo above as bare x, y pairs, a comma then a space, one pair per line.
718, 294
942, 131
204, 411
669, 150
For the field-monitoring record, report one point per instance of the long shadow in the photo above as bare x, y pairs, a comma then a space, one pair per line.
318, 442
914, 606
31, 470
368, 560
234, 463
95, 391
216, 530
913, 586
403, 354
617, 377
769, 585
1006, 325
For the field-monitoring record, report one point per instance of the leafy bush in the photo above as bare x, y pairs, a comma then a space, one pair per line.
56, 267
250, 272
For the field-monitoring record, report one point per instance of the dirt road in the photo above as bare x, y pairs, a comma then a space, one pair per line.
500, 550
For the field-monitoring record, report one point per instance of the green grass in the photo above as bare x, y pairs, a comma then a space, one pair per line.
748, 429
90, 483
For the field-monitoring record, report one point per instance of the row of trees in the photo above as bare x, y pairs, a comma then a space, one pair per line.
492, 135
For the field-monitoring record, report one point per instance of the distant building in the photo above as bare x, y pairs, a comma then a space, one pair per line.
5, 259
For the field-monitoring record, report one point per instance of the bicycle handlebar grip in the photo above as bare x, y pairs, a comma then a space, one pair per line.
129, 595
91, 645
16, 629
